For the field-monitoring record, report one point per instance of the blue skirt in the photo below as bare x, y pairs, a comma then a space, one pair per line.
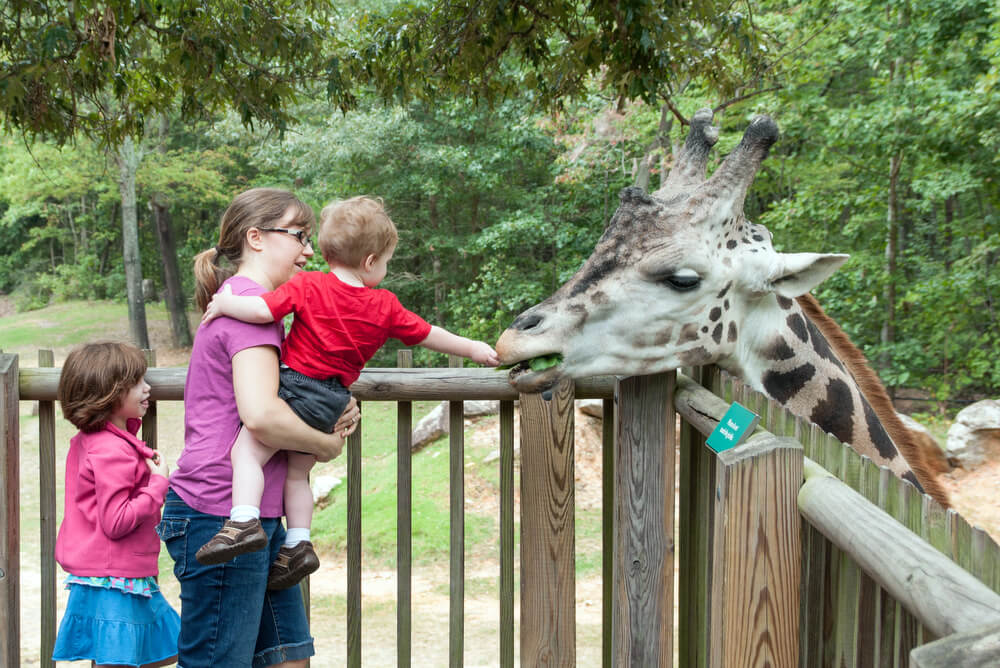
109, 626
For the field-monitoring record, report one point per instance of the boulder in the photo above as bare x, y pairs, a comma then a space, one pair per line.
974, 436
435, 424
322, 485
591, 407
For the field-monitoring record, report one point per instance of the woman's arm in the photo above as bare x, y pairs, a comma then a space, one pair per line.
269, 419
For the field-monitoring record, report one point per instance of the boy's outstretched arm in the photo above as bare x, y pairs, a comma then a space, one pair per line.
247, 308
442, 341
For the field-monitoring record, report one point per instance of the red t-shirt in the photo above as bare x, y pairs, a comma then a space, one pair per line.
339, 327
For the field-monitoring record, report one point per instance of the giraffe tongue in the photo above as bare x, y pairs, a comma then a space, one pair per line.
526, 378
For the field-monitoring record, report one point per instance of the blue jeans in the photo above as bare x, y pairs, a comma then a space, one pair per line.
223, 603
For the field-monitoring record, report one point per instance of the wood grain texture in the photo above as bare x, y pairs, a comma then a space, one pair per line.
548, 574
975, 649
755, 555
10, 523
373, 385
941, 595
47, 510
404, 522
644, 522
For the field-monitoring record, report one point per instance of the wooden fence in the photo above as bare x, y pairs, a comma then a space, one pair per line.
852, 570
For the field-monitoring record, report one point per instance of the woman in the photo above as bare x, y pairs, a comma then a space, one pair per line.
232, 380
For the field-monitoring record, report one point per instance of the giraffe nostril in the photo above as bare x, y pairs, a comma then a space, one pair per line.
524, 322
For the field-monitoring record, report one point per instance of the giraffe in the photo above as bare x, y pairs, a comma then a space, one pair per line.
680, 278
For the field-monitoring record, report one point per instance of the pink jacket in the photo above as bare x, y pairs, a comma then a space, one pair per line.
112, 506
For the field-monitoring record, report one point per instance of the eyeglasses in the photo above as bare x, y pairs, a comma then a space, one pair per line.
298, 234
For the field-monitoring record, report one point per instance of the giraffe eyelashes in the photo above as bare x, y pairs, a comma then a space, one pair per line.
682, 280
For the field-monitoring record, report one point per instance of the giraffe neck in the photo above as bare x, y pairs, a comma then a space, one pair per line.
791, 361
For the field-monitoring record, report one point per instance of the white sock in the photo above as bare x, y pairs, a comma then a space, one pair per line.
295, 536
244, 513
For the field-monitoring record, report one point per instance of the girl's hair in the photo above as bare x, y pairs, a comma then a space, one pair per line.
258, 207
353, 229
94, 378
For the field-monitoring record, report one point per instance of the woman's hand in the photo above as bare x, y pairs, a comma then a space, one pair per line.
349, 419
157, 465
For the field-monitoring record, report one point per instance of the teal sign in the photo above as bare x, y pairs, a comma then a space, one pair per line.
736, 424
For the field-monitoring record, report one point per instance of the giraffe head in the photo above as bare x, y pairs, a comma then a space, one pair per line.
677, 279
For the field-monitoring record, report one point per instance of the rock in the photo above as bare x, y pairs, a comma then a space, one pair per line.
974, 436
930, 449
591, 407
322, 486
435, 424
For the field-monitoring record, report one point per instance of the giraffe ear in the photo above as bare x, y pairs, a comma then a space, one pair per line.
798, 273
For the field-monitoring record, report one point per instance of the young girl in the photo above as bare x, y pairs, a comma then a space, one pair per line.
107, 543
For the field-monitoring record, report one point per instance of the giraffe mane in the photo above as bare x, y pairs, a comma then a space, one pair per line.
874, 391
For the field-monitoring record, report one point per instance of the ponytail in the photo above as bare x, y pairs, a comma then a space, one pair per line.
208, 276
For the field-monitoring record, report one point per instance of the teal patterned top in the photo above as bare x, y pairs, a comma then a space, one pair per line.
138, 586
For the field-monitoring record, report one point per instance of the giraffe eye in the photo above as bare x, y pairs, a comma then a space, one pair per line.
683, 280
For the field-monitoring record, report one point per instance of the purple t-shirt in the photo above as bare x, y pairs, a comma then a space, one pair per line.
204, 474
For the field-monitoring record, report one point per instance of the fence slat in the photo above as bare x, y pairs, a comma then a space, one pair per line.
548, 575
354, 547
47, 511
507, 534
644, 519
404, 522
607, 529
10, 522
756, 555
456, 514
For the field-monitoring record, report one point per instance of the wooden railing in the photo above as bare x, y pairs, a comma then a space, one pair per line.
772, 572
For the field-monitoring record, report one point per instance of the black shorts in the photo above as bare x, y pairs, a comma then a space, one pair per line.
318, 402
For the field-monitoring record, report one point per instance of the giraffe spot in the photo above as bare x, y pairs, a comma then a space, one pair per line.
715, 313
784, 302
717, 333
577, 309
834, 412
876, 431
912, 478
757, 237
732, 332
704, 330
718, 245
599, 297
663, 337
592, 275
785, 385
821, 345
694, 357
778, 350
725, 304
745, 240
689, 333
797, 324
724, 291
731, 244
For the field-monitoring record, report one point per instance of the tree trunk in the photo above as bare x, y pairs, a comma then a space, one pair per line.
128, 158
173, 298
891, 250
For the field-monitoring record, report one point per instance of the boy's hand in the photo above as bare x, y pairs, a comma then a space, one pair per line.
213, 310
481, 352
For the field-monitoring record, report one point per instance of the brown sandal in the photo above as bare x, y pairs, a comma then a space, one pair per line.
233, 539
291, 565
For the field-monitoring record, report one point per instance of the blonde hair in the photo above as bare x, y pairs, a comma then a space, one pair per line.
257, 207
94, 378
351, 230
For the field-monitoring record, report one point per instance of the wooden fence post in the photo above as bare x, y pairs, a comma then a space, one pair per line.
755, 553
548, 575
644, 522
48, 527
10, 523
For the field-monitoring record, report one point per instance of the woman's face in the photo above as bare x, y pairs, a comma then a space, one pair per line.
285, 254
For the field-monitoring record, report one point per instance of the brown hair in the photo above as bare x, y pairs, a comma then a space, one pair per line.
257, 207
873, 390
94, 378
353, 229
